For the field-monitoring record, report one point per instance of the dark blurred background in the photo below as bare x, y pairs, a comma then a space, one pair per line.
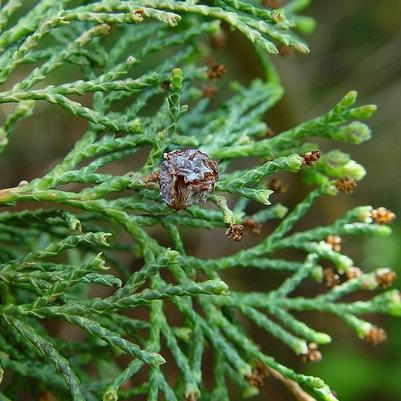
356, 45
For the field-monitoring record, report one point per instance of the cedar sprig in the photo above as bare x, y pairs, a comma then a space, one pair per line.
52, 257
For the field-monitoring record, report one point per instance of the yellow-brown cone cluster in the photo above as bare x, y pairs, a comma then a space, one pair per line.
346, 185
375, 335
216, 71
310, 158
258, 374
353, 272
382, 215
335, 242
235, 232
313, 354
385, 277
330, 277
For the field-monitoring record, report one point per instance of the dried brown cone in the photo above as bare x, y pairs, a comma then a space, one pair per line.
209, 91
385, 277
235, 232
334, 241
186, 177
310, 158
330, 277
346, 185
251, 225
375, 335
313, 354
216, 71
353, 272
382, 215
277, 186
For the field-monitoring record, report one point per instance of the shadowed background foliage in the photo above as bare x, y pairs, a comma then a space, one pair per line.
356, 45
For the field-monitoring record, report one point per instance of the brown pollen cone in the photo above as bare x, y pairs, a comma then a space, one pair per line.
375, 335
346, 185
216, 71
235, 232
334, 241
258, 374
385, 277
313, 354
382, 215
311, 157
353, 272
330, 278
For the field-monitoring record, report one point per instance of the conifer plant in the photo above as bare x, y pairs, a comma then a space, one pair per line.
145, 89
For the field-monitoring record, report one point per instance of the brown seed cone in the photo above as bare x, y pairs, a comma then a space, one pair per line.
186, 177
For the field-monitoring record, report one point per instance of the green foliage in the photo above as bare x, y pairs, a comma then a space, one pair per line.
51, 257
